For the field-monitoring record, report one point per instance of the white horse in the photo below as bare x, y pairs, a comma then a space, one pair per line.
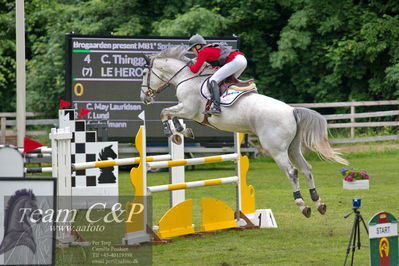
281, 129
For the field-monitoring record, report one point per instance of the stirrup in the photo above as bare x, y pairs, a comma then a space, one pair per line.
215, 111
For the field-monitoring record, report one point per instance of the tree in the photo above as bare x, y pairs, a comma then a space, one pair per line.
298, 50
192, 22
7, 58
339, 50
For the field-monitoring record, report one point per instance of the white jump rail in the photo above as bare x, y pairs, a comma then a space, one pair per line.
43, 149
193, 161
118, 162
194, 184
102, 164
38, 170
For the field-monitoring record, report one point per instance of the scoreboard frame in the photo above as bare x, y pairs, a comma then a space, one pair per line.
206, 136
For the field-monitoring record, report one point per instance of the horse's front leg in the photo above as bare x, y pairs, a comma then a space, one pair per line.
173, 113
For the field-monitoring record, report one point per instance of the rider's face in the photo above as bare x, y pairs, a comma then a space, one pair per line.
195, 49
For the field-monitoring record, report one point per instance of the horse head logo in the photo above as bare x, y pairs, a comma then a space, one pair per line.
20, 213
107, 173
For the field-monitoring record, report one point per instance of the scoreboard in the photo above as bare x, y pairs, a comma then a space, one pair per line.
104, 75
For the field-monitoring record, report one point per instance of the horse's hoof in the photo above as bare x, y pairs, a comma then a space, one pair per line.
166, 129
179, 128
176, 139
188, 133
167, 133
322, 208
176, 123
307, 211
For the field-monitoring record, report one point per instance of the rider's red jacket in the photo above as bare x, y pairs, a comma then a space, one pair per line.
209, 54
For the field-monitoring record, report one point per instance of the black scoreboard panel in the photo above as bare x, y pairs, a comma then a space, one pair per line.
104, 75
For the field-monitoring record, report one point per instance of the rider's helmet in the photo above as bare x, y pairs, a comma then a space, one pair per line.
196, 39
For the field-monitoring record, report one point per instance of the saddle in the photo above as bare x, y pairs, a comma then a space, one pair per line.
230, 83
236, 84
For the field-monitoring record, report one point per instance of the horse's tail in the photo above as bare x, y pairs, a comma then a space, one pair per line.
312, 130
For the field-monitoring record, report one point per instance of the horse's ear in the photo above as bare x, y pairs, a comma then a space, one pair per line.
147, 60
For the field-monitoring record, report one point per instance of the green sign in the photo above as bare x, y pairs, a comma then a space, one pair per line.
383, 234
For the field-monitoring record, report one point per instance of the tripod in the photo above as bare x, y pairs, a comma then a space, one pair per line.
355, 234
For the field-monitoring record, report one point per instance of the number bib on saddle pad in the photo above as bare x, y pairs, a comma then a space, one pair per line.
228, 98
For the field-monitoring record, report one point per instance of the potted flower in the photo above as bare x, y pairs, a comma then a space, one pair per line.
355, 179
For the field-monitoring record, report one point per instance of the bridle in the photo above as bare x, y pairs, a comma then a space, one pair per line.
150, 91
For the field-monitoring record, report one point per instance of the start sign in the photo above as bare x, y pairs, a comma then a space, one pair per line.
383, 234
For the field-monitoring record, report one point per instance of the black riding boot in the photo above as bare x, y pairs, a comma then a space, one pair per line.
215, 110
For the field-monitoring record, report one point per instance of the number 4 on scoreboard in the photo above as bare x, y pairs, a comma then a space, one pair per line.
87, 59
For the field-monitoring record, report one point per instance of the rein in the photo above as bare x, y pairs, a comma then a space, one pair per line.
198, 76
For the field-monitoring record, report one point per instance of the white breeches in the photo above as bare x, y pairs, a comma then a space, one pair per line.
234, 67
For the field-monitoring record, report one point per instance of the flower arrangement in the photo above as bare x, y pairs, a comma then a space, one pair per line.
353, 175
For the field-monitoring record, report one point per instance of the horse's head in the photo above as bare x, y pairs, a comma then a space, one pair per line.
107, 152
150, 85
27, 200
21, 212
160, 72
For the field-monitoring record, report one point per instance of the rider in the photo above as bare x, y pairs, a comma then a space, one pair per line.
231, 62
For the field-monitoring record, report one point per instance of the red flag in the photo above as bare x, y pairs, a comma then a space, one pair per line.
84, 112
30, 145
64, 104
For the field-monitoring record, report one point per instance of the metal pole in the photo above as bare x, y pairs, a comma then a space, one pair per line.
21, 75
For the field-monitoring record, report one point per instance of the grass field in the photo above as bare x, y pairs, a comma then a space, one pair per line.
319, 240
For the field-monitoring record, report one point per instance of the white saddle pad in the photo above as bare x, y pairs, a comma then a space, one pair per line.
226, 99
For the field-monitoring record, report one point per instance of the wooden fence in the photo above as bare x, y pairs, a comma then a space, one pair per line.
352, 116
8, 119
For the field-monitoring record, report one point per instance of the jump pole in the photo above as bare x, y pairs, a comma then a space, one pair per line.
193, 161
62, 169
194, 184
178, 220
245, 193
102, 164
118, 162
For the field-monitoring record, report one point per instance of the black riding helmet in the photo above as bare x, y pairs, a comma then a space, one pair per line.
195, 40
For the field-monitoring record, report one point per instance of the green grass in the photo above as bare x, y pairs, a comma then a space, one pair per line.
319, 240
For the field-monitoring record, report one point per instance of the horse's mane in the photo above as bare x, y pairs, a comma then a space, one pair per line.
176, 52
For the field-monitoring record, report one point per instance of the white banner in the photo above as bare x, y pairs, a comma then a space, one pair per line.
383, 230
